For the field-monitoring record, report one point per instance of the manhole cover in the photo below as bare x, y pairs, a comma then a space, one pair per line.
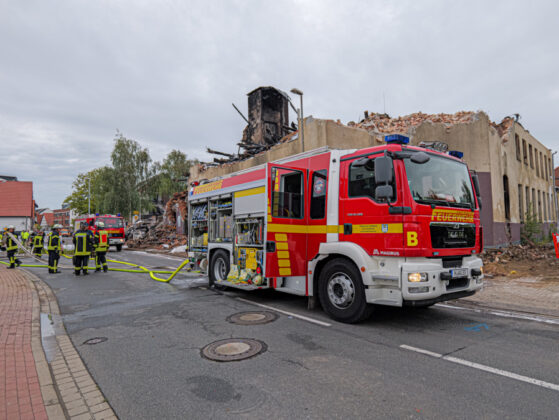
95, 340
233, 349
252, 318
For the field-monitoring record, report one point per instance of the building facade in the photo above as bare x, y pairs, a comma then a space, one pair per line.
17, 207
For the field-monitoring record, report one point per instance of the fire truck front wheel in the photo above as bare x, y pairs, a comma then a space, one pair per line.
219, 268
341, 292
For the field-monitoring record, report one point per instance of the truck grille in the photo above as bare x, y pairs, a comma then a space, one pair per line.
115, 235
453, 235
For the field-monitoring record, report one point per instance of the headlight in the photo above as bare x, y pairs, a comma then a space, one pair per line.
417, 277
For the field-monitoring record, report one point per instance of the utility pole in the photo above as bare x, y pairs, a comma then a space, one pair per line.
88, 196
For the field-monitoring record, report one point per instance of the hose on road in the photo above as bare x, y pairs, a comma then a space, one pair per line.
138, 268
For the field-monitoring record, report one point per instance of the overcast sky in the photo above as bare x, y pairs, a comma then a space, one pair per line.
166, 72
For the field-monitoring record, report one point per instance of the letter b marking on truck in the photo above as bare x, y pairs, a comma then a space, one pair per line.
412, 239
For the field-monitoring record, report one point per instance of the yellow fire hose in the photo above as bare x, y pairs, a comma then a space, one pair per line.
141, 268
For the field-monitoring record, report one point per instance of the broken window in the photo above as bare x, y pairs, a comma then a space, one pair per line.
520, 206
507, 197
531, 157
525, 152
517, 143
541, 165
527, 196
546, 170
539, 206
537, 161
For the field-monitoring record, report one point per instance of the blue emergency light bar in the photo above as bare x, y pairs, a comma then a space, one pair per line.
96, 214
456, 154
397, 139
118, 214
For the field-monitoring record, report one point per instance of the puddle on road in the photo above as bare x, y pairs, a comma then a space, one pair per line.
51, 325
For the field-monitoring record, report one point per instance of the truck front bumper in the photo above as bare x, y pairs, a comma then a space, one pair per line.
440, 283
116, 241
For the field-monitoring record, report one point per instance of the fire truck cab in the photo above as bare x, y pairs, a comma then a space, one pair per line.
114, 226
388, 225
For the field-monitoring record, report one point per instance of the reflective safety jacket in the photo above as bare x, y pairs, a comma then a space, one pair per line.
83, 241
25, 235
10, 244
38, 241
101, 241
53, 242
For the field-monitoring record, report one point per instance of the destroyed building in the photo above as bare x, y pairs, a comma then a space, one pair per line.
515, 169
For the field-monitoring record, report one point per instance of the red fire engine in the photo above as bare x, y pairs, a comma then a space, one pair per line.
114, 225
389, 225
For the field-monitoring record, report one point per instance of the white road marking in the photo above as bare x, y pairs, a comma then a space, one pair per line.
504, 314
294, 315
485, 368
422, 351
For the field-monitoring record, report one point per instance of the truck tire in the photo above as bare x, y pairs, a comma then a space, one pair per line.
118, 248
341, 292
219, 268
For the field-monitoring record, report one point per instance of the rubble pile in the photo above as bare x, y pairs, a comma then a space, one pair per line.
521, 260
384, 124
161, 232
519, 253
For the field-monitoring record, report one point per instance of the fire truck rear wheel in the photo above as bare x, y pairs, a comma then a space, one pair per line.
219, 268
341, 292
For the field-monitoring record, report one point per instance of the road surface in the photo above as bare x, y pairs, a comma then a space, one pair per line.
440, 362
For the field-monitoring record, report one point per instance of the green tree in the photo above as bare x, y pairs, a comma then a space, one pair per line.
172, 173
78, 199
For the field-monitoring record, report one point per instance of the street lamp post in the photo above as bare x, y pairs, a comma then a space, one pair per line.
300, 93
88, 196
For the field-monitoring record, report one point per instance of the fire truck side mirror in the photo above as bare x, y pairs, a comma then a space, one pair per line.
384, 192
384, 169
477, 188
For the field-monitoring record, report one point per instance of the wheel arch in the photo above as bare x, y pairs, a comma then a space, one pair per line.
332, 250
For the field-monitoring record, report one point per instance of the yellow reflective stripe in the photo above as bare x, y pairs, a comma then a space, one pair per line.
281, 246
322, 229
280, 236
285, 271
284, 263
378, 228
252, 191
283, 254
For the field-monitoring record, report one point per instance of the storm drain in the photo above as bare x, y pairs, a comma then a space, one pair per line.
95, 340
233, 349
252, 318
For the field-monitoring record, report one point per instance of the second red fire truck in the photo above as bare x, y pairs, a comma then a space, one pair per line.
114, 225
388, 225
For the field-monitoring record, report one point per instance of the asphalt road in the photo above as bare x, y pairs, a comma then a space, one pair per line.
151, 364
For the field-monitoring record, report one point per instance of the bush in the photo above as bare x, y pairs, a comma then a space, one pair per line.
532, 229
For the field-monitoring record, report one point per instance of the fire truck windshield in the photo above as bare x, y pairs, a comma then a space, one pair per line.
111, 222
440, 181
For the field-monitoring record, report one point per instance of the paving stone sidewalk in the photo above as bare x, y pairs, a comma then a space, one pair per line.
20, 391
32, 387
534, 295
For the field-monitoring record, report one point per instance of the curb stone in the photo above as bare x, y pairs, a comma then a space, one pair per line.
69, 391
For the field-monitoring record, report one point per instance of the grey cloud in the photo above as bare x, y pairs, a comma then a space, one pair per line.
165, 73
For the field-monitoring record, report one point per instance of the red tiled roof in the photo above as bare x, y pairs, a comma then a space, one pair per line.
16, 198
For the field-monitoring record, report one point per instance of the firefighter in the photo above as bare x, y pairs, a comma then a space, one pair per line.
83, 245
11, 247
38, 240
101, 247
53, 247
24, 237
